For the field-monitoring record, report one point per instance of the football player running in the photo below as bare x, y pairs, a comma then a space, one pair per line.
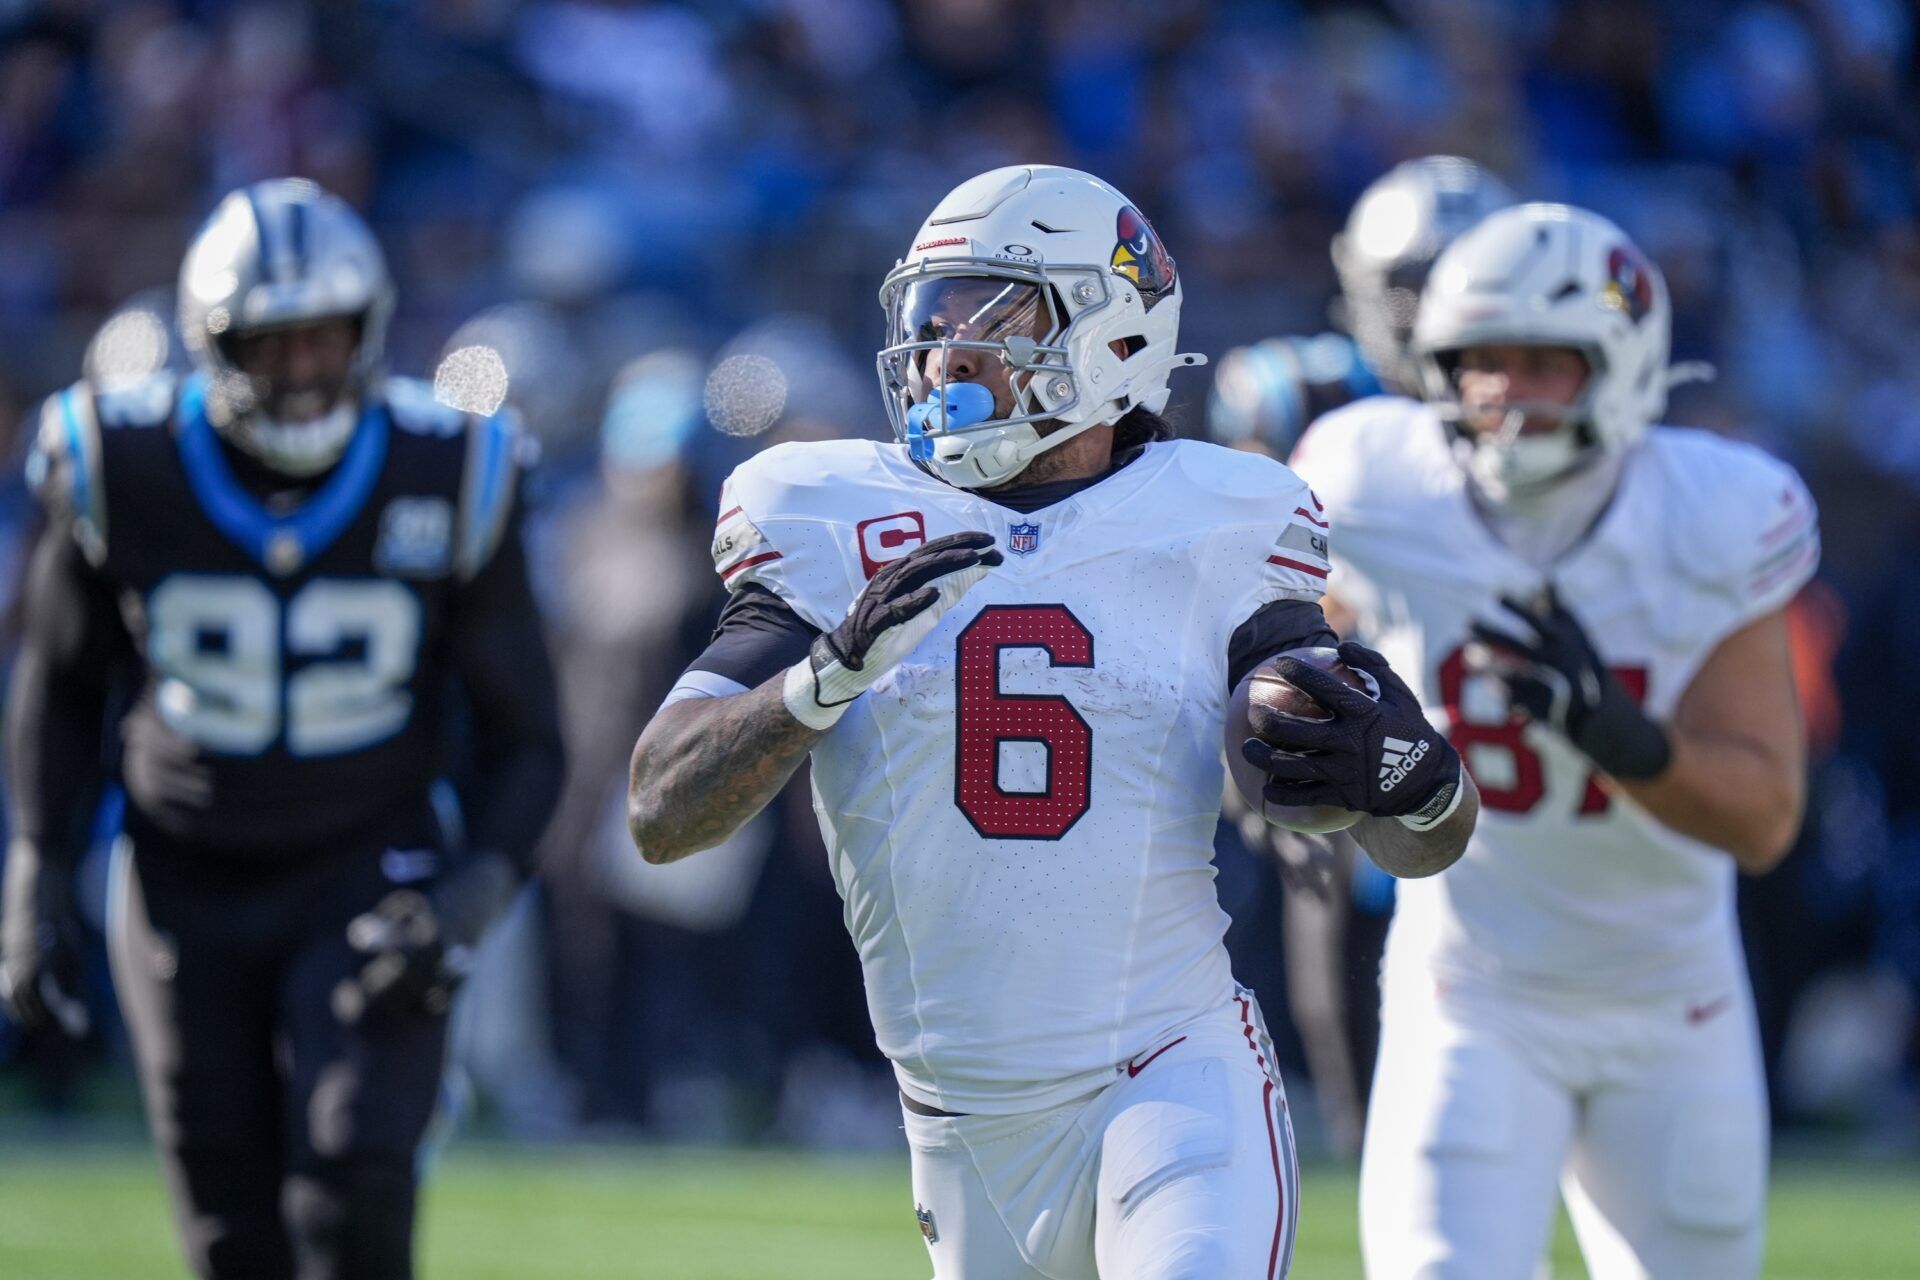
292, 558
1594, 604
1007, 641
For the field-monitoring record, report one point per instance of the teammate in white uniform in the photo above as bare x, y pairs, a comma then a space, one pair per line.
1594, 606
1008, 642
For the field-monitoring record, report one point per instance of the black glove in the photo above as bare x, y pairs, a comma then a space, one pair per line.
41, 950
419, 946
892, 615
1552, 673
1380, 758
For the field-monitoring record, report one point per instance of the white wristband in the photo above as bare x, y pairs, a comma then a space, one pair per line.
818, 699
1419, 821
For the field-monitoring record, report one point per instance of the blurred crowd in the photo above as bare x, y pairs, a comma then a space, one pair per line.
669, 222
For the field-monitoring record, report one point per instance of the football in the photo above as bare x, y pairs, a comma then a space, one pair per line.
1270, 696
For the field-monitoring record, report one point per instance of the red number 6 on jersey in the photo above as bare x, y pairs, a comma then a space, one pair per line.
987, 717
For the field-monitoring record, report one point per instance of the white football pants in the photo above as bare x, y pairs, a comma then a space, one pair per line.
1182, 1169
1650, 1115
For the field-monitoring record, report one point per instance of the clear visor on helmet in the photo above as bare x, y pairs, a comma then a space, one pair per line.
995, 332
969, 309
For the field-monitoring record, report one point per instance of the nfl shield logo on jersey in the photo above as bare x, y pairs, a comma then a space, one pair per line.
1023, 539
925, 1217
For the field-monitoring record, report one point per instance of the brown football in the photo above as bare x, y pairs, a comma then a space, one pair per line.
1270, 696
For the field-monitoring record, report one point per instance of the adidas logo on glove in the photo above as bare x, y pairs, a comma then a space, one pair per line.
1398, 759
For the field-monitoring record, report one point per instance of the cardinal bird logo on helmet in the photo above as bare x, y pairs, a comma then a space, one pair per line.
1141, 258
1629, 286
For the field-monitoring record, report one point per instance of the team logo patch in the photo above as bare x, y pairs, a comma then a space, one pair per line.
1629, 286
416, 538
924, 1216
1140, 257
1023, 539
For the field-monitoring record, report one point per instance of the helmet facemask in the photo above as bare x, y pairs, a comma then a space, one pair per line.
1509, 462
1059, 283
1020, 320
296, 423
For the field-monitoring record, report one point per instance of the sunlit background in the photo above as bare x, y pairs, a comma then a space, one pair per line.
658, 230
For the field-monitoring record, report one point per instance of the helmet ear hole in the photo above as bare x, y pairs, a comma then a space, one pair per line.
1127, 348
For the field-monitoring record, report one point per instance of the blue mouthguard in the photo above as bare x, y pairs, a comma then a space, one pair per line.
956, 405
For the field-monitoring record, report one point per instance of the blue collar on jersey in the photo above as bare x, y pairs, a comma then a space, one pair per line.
282, 544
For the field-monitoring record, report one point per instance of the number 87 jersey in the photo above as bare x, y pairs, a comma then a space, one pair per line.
1020, 815
1564, 884
292, 655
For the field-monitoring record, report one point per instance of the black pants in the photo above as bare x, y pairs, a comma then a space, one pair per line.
287, 1140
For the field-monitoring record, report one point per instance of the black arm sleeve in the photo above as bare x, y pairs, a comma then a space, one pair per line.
758, 636
1274, 627
500, 657
72, 646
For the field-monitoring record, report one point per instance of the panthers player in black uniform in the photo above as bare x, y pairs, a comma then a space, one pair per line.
266, 588
1264, 397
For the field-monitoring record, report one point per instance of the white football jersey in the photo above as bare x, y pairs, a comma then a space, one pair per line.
1563, 883
1020, 816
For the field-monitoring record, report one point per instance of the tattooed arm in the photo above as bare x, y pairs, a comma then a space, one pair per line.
705, 766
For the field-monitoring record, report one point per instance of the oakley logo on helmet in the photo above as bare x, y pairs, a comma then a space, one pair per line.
1629, 286
1140, 257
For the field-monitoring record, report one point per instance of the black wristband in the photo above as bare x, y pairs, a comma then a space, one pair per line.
1627, 745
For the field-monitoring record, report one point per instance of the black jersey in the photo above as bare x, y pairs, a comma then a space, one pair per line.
292, 664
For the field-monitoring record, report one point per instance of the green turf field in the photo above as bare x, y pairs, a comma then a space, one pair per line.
94, 1212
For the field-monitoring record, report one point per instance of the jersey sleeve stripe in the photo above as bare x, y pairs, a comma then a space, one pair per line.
486, 493
726, 515
748, 563
1787, 526
1792, 559
1311, 519
1301, 565
1304, 541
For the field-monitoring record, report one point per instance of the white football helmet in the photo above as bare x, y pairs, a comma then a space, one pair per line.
1398, 226
1554, 276
1045, 269
275, 255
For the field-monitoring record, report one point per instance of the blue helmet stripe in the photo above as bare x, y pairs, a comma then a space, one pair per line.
268, 258
297, 236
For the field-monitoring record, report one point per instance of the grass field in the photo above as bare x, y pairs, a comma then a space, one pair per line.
94, 1212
